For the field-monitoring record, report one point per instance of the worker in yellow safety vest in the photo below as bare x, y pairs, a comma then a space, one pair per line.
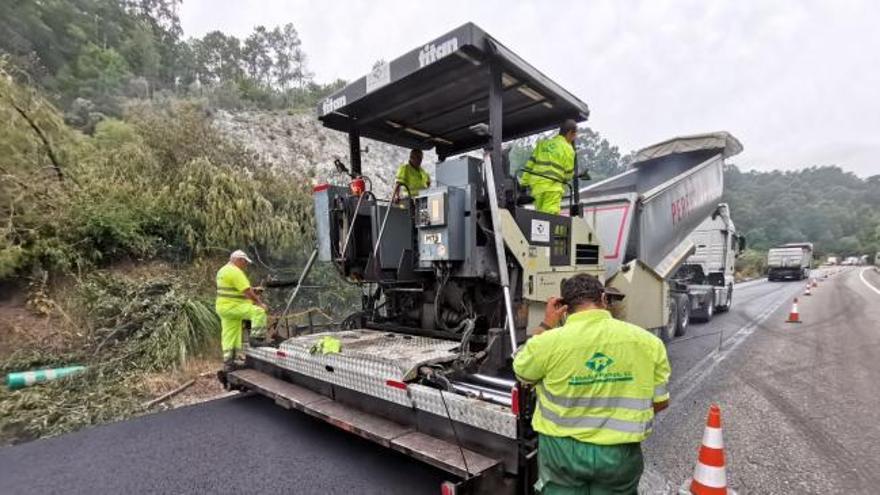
236, 302
411, 178
550, 167
599, 383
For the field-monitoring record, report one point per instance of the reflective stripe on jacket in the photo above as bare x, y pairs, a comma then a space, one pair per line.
552, 163
597, 379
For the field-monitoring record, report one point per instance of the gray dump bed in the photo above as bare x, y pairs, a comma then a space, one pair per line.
648, 212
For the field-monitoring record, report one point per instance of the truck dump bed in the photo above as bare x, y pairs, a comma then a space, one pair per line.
648, 212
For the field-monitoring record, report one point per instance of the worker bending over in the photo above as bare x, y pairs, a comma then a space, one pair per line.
599, 382
411, 177
550, 167
237, 301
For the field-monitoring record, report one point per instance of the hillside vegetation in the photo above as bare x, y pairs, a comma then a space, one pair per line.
133, 160
838, 211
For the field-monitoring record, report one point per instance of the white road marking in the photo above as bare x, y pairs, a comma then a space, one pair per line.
865, 281
750, 282
695, 376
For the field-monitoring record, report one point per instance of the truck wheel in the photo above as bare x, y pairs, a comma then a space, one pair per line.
728, 302
709, 313
668, 332
684, 314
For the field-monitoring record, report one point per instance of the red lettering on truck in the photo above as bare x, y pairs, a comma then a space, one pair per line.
681, 208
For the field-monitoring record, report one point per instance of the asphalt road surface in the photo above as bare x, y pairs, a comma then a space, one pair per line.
233, 445
799, 404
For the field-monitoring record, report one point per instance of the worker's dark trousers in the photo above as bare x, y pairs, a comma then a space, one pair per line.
567, 467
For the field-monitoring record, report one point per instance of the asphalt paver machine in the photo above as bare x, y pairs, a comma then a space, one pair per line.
452, 277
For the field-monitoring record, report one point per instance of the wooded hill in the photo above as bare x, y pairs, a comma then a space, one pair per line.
836, 210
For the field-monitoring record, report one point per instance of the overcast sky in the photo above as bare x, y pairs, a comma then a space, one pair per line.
798, 82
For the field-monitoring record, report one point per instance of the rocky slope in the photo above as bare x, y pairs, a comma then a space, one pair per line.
299, 142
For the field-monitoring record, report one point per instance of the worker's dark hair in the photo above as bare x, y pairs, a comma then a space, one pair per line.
567, 126
580, 289
416, 152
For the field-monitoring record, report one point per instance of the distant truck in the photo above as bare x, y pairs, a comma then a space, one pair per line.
790, 261
832, 260
851, 261
707, 275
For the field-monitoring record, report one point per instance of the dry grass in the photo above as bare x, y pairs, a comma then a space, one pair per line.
201, 369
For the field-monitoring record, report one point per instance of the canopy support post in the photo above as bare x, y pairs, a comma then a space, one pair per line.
354, 151
496, 112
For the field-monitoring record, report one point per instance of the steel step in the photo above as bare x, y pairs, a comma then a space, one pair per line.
431, 450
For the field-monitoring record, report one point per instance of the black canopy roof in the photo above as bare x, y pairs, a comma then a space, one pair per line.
437, 95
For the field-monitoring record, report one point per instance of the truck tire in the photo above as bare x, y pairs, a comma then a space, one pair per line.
709, 312
728, 302
668, 332
684, 314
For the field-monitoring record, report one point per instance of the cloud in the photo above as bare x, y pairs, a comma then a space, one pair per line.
794, 80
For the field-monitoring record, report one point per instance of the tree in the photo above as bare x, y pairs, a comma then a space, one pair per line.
142, 54
289, 58
218, 57
97, 74
601, 159
257, 57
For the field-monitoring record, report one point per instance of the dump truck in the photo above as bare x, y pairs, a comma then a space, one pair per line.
790, 261
645, 219
453, 278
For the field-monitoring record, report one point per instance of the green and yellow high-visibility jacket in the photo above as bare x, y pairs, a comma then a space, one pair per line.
597, 379
231, 284
552, 163
415, 179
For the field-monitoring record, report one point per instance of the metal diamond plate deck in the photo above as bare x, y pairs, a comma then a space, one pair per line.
369, 359
403, 352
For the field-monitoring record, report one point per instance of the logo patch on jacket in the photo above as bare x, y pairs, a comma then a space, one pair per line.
599, 365
599, 362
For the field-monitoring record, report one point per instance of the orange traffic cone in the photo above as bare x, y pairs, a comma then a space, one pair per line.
710, 474
815, 283
807, 291
794, 316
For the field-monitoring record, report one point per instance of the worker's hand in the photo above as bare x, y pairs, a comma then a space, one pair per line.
263, 305
554, 312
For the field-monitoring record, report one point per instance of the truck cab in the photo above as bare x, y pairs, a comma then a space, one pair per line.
707, 276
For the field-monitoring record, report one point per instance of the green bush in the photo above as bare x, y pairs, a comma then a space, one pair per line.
751, 264
135, 328
162, 183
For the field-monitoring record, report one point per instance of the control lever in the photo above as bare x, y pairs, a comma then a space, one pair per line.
341, 168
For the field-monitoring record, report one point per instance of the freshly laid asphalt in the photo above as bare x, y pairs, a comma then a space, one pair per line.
233, 445
247, 444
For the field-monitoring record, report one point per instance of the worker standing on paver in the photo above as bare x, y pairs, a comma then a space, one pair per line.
411, 177
236, 302
550, 167
599, 382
